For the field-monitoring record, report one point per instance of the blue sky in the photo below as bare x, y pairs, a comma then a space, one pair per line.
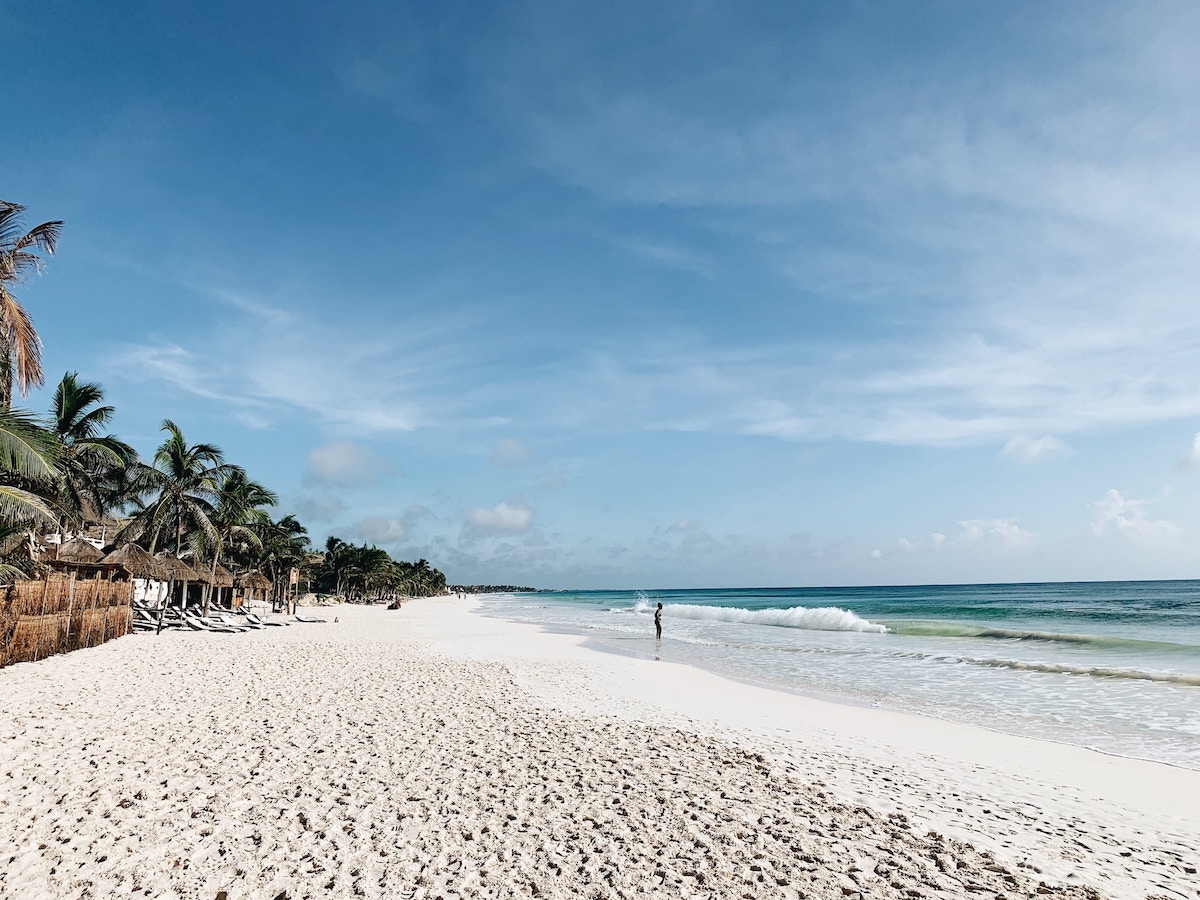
629, 295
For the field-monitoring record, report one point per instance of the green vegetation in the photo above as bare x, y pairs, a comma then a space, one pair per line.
65, 474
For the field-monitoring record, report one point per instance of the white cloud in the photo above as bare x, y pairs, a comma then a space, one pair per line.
876, 554
510, 453
1192, 459
1025, 449
506, 517
346, 464
1005, 530
1128, 517
684, 525
380, 530
972, 531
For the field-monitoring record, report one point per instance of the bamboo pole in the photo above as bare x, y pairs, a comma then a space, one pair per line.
70, 606
37, 654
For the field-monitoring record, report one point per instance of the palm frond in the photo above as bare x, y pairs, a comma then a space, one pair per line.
17, 505
27, 449
44, 237
16, 329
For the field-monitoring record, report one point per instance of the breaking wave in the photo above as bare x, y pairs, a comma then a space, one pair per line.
825, 618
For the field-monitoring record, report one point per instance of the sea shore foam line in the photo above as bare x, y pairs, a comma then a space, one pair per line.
825, 618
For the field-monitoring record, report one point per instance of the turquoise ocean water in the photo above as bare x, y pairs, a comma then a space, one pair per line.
1110, 665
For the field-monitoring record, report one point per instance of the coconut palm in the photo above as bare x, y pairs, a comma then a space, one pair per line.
91, 462
237, 510
284, 546
20, 346
184, 483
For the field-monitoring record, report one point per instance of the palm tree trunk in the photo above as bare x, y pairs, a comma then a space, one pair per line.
6, 375
212, 581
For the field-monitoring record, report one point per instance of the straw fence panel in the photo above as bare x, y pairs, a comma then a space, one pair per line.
61, 613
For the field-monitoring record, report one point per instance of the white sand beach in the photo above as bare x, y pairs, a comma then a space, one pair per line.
431, 752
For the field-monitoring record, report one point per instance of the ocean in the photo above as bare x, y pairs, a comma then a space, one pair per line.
1114, 666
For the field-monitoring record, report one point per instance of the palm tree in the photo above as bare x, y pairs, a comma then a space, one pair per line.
284, 546
91, 462
237, 511
185, 484
20, 346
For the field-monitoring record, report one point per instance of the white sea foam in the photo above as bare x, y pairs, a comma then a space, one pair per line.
824, 618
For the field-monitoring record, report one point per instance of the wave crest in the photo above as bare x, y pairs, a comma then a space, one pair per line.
824, 618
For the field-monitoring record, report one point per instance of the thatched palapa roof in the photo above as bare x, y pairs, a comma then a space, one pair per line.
137, 562
222, 577
254, 581
177, 569
77, 550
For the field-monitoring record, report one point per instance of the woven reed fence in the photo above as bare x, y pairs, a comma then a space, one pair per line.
60, 613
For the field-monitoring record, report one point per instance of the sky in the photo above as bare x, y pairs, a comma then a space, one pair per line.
633, 295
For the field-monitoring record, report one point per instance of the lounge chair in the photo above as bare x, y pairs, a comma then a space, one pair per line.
255, 620
199, 623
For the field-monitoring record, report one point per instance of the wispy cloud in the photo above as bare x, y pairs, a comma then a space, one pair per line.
383, 375
510, 453
1025, 449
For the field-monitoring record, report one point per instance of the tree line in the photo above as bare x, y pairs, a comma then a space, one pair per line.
63, 472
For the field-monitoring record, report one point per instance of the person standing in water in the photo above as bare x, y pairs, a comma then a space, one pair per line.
658, 623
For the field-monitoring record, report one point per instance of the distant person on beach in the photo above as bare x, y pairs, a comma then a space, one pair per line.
658, 622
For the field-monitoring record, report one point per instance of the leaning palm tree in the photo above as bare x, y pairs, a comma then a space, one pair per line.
91, 462
184, 483
20, 346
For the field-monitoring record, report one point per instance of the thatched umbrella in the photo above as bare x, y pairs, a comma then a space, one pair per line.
77, 550
138, 562
181, 572
222, 578
254, 581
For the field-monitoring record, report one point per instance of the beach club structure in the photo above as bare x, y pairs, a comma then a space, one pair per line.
84, 596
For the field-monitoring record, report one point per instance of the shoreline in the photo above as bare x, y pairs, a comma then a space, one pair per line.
433, 752
1127, 798
598, 645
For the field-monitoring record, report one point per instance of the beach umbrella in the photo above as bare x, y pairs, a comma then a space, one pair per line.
181, 572
254, 581
137, 562
77, 550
